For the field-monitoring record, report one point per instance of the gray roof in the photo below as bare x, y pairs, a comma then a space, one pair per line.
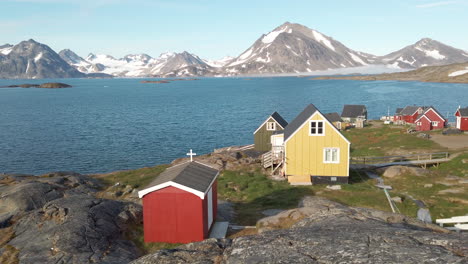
299, 120
353, 111
463, 111
409, 110
191, 174
279, 119
398, 111
333, 117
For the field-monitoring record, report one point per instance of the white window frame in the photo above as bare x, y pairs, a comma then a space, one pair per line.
273, 128
435, 123
419, 123
316, 131
325, 150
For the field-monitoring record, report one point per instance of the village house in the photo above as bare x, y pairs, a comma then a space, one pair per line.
462, 118
430, 119
180, 205
262, 135
354, 114
335, 119
315, 151
408, 114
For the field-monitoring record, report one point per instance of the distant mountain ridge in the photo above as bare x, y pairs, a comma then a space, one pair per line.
426, 52
294, 48
33, 60
288, 49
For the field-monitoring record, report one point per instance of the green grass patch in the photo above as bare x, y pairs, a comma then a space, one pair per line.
454, 166
360, 192
440, 205
135, 178
135, 234
253, 192
379, 141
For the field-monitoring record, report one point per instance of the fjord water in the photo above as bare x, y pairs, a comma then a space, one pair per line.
103, 125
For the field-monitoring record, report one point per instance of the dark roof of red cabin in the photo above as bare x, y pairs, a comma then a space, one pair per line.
463, 111
194, 175
409, 110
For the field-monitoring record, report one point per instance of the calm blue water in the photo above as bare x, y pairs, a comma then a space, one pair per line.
107, 125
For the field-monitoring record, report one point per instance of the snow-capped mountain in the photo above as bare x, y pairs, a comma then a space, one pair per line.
6, 49
219, 63
426, 52
288, 49
292, 48
30, 60
139, 65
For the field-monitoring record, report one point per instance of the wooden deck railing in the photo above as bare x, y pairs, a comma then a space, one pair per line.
400, 158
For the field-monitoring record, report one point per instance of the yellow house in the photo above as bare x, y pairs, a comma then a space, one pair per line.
315, 151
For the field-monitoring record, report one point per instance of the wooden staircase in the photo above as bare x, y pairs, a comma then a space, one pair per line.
267, 159
271, 160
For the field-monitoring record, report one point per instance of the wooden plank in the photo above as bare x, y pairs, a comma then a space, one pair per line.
219, 230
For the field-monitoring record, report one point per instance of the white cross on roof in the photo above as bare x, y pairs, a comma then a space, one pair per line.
191, 154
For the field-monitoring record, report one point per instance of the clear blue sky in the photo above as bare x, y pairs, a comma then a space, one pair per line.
215, 28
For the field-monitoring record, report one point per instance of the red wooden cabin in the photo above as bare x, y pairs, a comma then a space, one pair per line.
429, 120
180, 205
409, 114
462, 118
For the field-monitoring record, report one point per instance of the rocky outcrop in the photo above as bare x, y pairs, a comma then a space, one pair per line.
326, 232
44, 85
56, 218
229, 158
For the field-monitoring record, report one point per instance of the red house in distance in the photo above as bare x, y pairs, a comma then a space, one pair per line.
180, 205
462, 118
409, 114
429, 120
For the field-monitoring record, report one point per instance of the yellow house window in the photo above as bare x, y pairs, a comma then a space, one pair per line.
317, 128
331, 155
271, 126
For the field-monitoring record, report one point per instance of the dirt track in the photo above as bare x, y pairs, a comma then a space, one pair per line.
451, 142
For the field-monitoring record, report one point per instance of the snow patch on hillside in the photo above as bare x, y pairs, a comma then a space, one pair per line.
457, 73
270, 37
38, 57
321, 38
7, 51
356, 58
219, 63
406, 61
432, 53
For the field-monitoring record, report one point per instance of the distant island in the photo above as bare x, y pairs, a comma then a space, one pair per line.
454, 73
44, 85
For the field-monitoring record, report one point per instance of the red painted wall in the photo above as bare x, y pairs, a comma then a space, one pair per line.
174, 216
425, 125
410, 118
464, 122
434, 117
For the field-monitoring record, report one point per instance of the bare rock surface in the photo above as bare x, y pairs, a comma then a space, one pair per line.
396, 171
229, 158
323, 231
57, 219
